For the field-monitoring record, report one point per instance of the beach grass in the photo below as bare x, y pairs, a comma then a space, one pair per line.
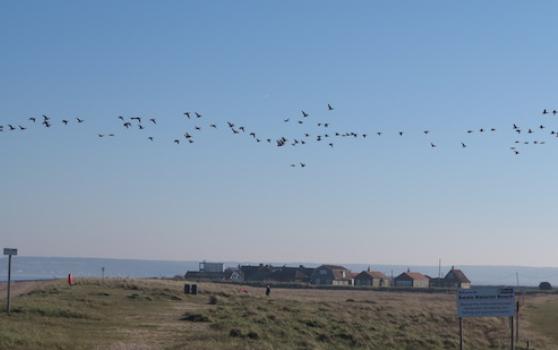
155, 314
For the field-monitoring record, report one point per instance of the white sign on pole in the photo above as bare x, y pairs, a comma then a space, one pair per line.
10, 251
486, 302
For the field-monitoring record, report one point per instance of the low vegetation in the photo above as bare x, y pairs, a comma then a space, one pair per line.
154, 314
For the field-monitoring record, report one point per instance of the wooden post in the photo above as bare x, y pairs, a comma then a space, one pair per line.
8, 304
512, 337
460, 333
517, 322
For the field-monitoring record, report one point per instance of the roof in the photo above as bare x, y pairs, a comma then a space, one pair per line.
457, 275
417, 276
372, 274
337, 272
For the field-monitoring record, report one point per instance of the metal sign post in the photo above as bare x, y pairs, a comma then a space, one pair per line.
487, 302
9, 252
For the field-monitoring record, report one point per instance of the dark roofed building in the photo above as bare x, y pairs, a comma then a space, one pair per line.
371, 278
332, 275
412, 280
287, 274
257, 273
207, 271
455, 278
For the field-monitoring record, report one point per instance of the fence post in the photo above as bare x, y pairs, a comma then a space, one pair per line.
512, 338
460, 333
8, 301
517, 322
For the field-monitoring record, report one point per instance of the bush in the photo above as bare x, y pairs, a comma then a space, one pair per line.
194, 318
212, 300
253, 335
235, 332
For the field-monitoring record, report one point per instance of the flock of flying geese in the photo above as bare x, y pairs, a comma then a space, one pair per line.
324, 134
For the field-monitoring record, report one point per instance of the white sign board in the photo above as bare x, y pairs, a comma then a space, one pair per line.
486, 302
10, 251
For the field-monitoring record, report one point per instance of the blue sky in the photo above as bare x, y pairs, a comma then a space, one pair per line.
390, 66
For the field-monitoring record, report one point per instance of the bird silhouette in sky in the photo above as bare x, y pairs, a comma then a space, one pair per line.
293, 139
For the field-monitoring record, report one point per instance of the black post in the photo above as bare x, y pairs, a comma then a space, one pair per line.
517, 322
512, 338
8, 306
460, 333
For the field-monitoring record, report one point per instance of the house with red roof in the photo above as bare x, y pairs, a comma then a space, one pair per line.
412, 280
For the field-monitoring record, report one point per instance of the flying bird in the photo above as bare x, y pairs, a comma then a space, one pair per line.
304, 114
329, 108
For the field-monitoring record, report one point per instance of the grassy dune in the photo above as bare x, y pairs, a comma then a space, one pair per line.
150, 314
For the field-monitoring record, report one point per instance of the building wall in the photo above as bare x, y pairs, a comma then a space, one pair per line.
421, 284
363, 282
211, 267
403, 283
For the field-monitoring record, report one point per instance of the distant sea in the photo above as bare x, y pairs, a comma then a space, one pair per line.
32, 268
